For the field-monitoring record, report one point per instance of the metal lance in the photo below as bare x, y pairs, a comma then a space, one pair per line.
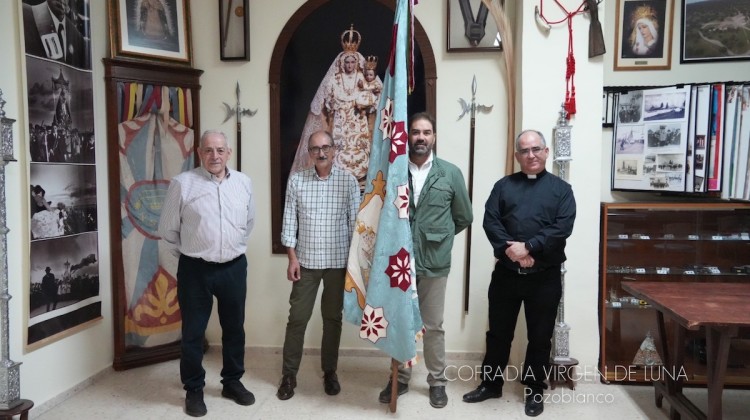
562, 152
238, 112
10, 371
472, 110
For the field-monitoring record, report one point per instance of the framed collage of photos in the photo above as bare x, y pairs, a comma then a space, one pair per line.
651, 140
688, 139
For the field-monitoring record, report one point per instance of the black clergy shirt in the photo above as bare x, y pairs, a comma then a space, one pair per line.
538, 211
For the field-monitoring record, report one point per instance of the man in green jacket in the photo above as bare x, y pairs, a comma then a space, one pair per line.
439, 208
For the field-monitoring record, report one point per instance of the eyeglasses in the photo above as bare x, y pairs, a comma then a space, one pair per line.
316, 150
534, 151
219, 150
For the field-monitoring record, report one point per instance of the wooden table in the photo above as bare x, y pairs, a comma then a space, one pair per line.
720, 308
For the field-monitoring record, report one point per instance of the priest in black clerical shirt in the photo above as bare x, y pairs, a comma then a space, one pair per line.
528, 217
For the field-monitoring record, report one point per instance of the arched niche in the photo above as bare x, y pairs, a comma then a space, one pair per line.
307, 45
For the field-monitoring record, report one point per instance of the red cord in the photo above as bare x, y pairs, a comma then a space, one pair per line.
570, 62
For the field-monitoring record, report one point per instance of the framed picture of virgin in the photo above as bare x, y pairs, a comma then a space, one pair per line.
643, 34
151, 29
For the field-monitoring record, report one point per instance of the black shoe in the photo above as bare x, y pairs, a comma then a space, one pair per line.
385, 394
331, 383
438, 398
234, 390
534, 403
286, 389
482, 393
194, 405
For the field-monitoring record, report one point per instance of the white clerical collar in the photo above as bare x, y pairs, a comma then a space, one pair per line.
531, 176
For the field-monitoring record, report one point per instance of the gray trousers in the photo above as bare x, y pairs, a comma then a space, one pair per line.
431, 291
302, 301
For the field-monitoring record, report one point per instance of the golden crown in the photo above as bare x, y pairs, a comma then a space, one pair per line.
371, 63
642, 12
350, 40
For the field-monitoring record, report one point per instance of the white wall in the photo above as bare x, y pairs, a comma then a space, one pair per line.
55, 368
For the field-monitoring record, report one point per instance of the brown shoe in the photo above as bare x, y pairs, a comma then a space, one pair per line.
331, 383
286, 389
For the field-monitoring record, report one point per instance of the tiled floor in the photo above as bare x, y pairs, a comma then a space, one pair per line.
154, 392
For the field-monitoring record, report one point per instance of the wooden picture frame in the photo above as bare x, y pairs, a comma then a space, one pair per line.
151, 30
639, 19
321, 22
471, 18
146, 332
700, 39
234, 30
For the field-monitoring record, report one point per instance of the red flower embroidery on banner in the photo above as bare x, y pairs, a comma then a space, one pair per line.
374, 326
399, 270
398, 141
386, 118
402, 201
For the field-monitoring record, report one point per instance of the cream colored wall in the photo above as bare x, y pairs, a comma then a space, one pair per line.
57, 367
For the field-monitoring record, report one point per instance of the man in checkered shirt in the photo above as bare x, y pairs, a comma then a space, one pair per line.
319, 214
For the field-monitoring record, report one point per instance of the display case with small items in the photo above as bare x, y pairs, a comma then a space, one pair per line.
688, 242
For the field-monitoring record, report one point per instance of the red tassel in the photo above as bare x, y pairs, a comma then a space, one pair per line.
570, 106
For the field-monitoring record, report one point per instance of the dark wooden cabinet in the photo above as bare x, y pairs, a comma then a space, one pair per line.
675, 242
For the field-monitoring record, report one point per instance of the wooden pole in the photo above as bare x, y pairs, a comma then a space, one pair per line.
394, 385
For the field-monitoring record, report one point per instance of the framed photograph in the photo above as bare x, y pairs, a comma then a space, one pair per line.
643, 34
714, 31
471, 27
234, 30
151, 29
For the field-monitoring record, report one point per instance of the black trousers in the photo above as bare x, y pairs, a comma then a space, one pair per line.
197, 284
540, 294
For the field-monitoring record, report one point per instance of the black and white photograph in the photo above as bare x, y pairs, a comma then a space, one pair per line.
61, 112
666, 135
664, 106
700, 162
629, 107
58, 30
64, 285
670, 162
63, 200
629, 139
627, 167
658, 182
649, 164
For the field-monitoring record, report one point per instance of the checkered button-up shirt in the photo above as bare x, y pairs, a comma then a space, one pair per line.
319, 217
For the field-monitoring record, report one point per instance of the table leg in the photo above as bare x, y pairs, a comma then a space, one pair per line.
717, 352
